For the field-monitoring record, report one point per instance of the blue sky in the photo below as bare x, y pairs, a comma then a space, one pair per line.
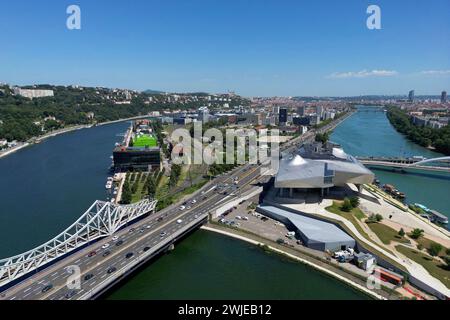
254, 47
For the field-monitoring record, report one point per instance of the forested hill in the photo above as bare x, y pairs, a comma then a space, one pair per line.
22, 118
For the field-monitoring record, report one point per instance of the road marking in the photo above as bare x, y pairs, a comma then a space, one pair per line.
174, 212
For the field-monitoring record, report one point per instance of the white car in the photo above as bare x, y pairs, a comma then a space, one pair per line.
182, 208
245, 218
179, 221
148, 227
115, 238
105, 246
194, 201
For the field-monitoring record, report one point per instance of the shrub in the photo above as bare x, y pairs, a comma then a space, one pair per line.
354, 202
347, 205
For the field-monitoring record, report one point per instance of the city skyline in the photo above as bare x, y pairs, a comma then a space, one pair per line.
298, 49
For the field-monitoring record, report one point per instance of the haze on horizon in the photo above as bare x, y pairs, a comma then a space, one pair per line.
292, 48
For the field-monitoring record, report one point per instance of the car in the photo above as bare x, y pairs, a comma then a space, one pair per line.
142, 230
179, 221
238, 218
111, 270
196, 216
91, 254
119, 243
245, 218
162, 234
106, 253
129, 255
222, 220
188, 207
115, 238
160, 219
148, 227
146, 249
70, 294
194, 201
47, 288
264, 219
105, 246
182, 208
132, 230
88, 276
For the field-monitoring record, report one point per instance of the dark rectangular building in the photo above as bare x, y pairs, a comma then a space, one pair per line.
283, 115
134, 159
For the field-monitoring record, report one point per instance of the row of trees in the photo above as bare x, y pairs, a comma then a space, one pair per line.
424, 136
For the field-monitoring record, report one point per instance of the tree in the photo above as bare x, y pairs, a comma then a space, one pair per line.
378, 217
401, 233
416, 233
126, 193
322, 137
151, 187
354, 201
435, 249
347, 205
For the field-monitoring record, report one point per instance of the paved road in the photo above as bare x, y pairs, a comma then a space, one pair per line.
146, 234
138, 239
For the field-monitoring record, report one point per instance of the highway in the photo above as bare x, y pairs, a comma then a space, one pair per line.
104, 262
140, 239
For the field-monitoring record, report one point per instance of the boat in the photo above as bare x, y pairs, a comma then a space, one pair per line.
393, 191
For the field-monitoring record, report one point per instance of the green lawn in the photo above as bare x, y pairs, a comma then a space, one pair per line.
354, 217
434, 267
140, 193
386, 234
426, 245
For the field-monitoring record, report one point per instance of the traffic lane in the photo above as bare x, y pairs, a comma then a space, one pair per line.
85, 264
87, 261
63, 275
138, 247
151, 221
137, 250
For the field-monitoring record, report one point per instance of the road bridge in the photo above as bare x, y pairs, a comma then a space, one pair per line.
110, 249
441, 164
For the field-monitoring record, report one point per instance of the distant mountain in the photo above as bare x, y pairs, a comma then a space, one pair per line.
149, 91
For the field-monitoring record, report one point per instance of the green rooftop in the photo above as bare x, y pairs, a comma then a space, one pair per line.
145, 141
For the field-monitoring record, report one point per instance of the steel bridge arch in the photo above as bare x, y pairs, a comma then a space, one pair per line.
102, 219
429, 160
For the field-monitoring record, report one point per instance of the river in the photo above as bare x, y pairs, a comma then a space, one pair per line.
46, 187
369, 133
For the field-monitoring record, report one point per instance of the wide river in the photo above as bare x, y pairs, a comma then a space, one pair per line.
369, 133
46, 187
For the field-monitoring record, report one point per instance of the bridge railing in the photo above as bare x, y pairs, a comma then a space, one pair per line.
100, 220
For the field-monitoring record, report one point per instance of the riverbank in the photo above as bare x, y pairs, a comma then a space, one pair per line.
36, 140
267, 245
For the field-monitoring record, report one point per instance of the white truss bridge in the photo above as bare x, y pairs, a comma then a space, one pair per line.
101, 220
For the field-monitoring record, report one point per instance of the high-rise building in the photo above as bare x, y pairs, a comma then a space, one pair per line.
411, 96
444, 96
319, 110
301, 111
283, 116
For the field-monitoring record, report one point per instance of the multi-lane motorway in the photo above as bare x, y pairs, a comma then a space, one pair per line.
103, 262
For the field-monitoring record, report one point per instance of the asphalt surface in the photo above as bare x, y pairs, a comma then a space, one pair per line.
155, 231
150, 232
